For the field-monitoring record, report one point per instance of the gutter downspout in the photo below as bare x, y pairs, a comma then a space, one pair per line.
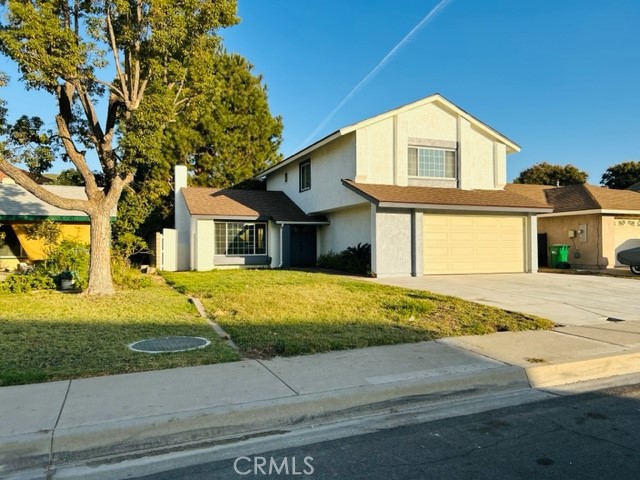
281, 237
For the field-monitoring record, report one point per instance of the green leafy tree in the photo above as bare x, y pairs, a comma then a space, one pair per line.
621, 175
163, 55
226, 140
547, 174
235, 136
71, 177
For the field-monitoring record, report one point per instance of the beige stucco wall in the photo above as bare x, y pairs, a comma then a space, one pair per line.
432, 120
617, 240
348, 228
608, 244
477, 162
382, 149
204, 245
329, 165
391, 248
377, 153
594, 252
500, 161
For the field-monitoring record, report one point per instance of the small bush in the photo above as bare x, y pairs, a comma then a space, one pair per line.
331, 260
127, 277
68, 260
68, 256
23, 283
356, 259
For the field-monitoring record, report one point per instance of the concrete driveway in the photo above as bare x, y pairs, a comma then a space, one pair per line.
565, 299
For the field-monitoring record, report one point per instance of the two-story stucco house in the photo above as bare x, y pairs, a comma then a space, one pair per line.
423, 184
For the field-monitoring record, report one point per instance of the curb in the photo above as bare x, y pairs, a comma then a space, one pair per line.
122, 440
575, 371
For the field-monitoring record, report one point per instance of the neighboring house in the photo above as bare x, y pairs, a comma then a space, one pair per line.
423, 184
41, 179
19, 209
596, 222
635, 187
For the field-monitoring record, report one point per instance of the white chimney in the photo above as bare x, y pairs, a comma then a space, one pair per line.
180, 174
182, 219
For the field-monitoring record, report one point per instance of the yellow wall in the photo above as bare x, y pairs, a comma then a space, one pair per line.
35, 249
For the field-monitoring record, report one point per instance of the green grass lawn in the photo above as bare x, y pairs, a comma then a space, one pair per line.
48, 335
271, 312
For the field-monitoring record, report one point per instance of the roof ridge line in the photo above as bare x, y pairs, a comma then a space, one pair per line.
585, 186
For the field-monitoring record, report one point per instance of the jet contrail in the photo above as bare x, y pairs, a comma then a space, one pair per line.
437, 9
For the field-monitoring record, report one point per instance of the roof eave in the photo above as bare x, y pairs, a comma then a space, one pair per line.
483, 208
302, 153
512, 147
431, 206
357, 191
56, 218
310, 222
592, 211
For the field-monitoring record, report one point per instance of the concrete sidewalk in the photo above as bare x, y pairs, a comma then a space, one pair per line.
122, 416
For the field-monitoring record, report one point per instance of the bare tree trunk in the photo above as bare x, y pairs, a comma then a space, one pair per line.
100, 280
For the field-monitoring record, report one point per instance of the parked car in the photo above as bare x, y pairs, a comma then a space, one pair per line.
630, 257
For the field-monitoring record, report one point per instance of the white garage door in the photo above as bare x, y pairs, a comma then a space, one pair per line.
473, 243
626, 233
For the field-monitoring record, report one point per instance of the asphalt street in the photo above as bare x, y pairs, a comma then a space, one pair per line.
593, 435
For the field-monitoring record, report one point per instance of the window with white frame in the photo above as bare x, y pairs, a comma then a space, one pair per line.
432, 162
239, 238
305, 175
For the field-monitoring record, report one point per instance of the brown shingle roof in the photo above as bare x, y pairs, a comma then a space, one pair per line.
571, 198
581, 197
612, 199
445, 196
254, 204
535, 192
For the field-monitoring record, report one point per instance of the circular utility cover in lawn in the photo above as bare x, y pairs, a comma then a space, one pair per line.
169, 344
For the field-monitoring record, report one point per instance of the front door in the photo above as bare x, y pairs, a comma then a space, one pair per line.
302, 247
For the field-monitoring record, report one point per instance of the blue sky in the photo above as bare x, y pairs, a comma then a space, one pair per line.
560, 78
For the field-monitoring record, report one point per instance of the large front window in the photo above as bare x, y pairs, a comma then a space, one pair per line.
432, 162
239, 238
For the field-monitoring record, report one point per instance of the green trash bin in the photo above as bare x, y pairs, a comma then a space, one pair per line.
559, 255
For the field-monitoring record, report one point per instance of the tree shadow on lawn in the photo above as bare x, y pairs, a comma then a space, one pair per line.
298, 336
41, 351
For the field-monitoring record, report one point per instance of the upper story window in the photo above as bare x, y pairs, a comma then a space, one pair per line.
305, 175
432, 162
